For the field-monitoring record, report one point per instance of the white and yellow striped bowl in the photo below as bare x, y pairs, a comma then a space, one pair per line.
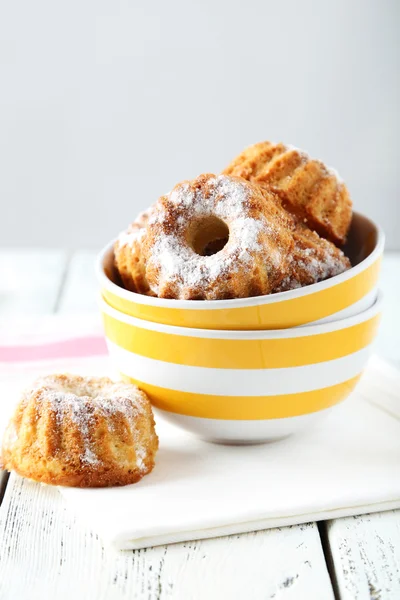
342, 296
241, 386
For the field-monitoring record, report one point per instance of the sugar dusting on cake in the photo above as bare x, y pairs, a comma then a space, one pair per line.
314, 268
330, 170
85, 402
321, 268
131, 236
136, 230
227, 199
140, 457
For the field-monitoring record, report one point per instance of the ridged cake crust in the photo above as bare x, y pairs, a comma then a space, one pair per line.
129, 258
313, 259
81, 431
217, 237
306, 187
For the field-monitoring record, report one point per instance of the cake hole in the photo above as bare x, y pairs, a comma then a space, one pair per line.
208, 236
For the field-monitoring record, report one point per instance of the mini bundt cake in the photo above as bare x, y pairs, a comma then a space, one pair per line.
306, 187
81, 431
216, 237
129, 258
313, 259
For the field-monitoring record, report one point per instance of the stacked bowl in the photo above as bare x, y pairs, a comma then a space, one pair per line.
254, 369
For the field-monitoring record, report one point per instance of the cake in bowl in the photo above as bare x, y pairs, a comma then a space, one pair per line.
78, 431
220, 237
271, 243
330, 299
305, 186
129, 256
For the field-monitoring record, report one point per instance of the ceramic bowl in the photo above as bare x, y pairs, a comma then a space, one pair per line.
241, 386
344, 295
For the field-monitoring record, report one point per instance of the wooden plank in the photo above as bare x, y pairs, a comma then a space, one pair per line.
47, 552
30, 281
80, 288
365, 556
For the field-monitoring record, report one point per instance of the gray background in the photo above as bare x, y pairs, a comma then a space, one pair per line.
106, 105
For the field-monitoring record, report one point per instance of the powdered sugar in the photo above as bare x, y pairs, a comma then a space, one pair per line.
288, 283
291, 148
329, 170
312, 268
131, 236
231, 196
85, 400
182, 265
333, 172
227, 199
322, 267
182, 195
140, 457
135, 232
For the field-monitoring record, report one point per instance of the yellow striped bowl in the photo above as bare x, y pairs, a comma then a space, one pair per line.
336, 298
241, 386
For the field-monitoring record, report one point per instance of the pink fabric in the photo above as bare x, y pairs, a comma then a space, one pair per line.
71, 348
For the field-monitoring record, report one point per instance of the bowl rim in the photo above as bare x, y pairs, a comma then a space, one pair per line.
234, 303
294, 332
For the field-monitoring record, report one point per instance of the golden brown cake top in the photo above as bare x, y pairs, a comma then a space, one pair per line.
84, 431
81, 400
135, 231
305, 186
216, 237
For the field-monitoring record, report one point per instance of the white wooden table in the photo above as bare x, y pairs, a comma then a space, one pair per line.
46, 554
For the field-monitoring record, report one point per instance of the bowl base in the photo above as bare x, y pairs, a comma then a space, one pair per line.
246, 432
235, 442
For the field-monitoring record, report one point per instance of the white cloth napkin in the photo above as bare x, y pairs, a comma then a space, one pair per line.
349, 463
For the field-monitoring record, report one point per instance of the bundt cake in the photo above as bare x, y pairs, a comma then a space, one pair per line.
306, 187
129, 258
81, 431
313, 259
216, 237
